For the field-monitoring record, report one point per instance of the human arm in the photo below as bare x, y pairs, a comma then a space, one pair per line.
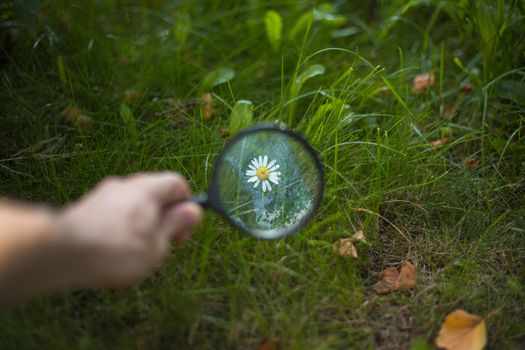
111, 237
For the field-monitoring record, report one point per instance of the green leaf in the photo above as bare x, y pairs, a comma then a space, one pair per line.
182, 29
296, 86
300, 25
325, 14
217, 77
512, 90
344, 32
241, 116
274, 27
61, 68
310, 72
128, 118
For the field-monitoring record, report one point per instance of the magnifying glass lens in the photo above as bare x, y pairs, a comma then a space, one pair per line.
268, 182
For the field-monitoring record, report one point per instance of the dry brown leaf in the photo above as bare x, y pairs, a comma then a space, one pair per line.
76, 117
462, 331
269, 344
131, 95
423, 82
407, 277
392, 280
358, 236
387, 282
448, 112
438, 143
472, 163
224, 133
466, 89
345, 248
207, 106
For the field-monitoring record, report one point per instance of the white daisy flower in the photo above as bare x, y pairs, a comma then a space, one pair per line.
260, 171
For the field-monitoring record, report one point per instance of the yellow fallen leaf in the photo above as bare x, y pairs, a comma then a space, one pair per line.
358, 236
462, 331
76, 117
407, 277
422, 82
131, 95
207, 106
392, 280
224, 133
345, 248
438, 143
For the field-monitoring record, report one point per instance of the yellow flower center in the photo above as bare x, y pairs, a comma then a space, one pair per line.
262, 173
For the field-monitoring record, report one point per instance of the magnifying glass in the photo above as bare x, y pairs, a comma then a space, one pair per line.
267, 181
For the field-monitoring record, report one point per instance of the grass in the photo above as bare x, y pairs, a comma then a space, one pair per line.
461, 225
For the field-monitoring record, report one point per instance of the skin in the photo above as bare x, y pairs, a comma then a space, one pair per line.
111, 238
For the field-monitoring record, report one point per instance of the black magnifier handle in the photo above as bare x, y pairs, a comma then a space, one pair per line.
202, 199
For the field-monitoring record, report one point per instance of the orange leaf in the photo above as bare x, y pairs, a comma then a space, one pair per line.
387, 282
268, 344
393, 280
448, 112
345, 248
462, 331
472, 163
423, 82
466, 89
407, 277
438, 143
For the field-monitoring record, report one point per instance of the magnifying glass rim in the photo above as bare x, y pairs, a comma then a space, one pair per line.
213, 190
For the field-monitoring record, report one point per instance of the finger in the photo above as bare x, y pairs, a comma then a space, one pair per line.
164, 187
179, 220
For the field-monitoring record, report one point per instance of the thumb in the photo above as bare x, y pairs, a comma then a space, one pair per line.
179, 220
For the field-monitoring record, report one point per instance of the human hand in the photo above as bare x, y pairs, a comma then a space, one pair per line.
119, 231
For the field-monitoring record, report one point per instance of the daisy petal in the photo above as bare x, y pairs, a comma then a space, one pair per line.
252, 167
255, 163
275, 167
268, 186
251, 172
253, 178
256, 183
274, 178
265, 161
271, 164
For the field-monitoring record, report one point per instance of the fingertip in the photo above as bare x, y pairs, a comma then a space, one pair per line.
181, 219
188, 213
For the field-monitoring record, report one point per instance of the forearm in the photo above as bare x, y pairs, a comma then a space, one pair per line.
32, 254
